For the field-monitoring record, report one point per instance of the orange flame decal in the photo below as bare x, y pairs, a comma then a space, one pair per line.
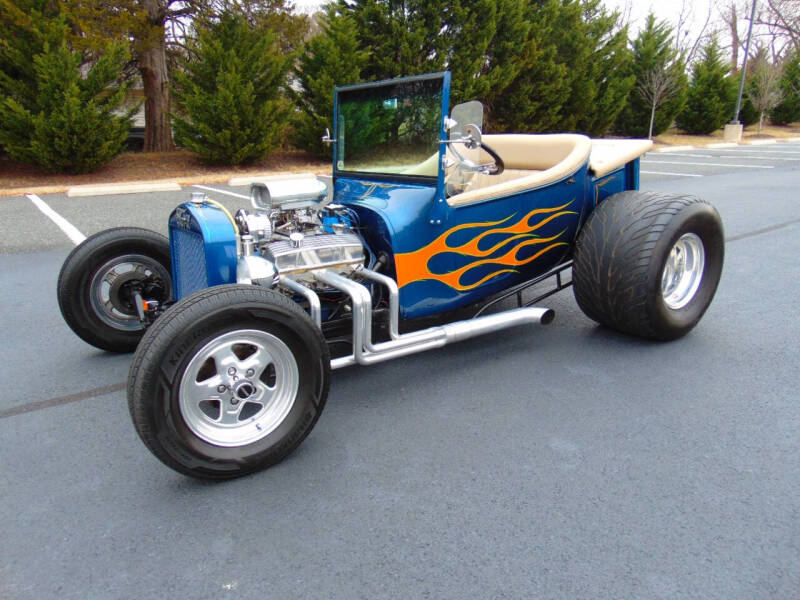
414, 266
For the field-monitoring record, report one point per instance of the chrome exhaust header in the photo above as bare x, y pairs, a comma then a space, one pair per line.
365, 352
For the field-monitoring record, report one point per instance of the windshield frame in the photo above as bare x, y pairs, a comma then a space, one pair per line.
427, 180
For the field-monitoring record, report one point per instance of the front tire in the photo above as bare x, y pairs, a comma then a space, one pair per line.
229, 381
649, 264
97, 280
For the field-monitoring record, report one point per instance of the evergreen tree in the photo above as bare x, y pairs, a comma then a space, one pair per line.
575, 77
711, 96
654, 61
609, 61
535, 98
788, 111
330, 58
60, 112
227, 92
480, 42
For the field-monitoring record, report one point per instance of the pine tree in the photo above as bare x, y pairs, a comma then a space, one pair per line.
654, 61
609, 62
534, 99
575, 76
62, 112
711, 96
330, 58
479, 42
788, 111
230, 109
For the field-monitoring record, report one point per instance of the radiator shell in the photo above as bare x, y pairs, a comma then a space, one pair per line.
202, 246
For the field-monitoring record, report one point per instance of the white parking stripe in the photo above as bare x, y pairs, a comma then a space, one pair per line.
731, 157
226, 192
68, 228
760, 151
674, 174
674, 162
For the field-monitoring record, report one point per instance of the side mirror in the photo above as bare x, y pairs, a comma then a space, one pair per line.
327, 139
467, 122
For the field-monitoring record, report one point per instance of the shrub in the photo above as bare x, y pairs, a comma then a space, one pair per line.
65, 119
660, 80
330, 58
712, 94
229, 106
788, 111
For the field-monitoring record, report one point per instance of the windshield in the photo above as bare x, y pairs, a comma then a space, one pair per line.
390, 129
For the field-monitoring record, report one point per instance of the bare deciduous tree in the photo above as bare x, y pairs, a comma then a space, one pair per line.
764, 89
657, 85
684, 44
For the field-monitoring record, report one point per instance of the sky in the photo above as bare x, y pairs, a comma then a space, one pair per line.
664, 9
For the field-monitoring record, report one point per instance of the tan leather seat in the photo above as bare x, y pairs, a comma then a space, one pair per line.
531, 160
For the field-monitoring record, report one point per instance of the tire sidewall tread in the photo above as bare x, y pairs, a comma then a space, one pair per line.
620, 255
155, 375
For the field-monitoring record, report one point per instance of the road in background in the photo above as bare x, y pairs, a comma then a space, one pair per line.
565, 461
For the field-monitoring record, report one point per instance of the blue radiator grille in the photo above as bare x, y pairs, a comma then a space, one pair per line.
188, 255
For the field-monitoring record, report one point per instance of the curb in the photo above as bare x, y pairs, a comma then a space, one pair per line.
674, 149
122, 188
768, 142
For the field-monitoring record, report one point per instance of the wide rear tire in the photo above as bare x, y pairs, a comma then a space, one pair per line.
228, 381
649, 264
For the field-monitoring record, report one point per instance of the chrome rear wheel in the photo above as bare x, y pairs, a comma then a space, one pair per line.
683, 271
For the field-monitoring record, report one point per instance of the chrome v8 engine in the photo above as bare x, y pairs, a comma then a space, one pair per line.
295, 229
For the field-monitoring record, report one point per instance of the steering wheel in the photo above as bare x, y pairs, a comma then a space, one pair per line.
467, 164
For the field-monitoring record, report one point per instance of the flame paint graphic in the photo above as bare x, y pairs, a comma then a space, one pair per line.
414, 266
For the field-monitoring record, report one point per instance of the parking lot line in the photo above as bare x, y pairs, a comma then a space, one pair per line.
755, 150
733, 157
698, 164
674, 174
226, 192
68, 228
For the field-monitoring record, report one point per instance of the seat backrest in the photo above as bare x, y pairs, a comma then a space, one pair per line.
552, 156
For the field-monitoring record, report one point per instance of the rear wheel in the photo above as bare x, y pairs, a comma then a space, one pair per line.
649, 264
98, 279
229, 381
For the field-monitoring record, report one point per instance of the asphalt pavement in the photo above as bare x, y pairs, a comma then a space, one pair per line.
565, 461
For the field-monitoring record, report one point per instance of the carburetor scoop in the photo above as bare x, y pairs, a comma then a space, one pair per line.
288, 193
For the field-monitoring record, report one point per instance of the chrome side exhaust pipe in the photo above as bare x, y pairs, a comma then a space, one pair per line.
367, 353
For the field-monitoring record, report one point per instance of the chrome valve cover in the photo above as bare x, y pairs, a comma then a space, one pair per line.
323, 251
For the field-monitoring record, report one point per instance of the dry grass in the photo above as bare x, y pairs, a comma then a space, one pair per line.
673, 138
180, 166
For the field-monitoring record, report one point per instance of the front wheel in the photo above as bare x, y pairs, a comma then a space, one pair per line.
649, 264
99, 278
229, 381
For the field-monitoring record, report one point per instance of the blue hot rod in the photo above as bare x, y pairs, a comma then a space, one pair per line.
238, 320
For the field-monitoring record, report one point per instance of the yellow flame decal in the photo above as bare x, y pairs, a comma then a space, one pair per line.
414, 266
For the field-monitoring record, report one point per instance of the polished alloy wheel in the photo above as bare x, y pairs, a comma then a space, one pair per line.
683, 271
239, 388
110, 291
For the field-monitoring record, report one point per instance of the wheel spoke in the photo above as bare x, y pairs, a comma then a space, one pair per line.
258, 361
200, 391
225, 358
229, 415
